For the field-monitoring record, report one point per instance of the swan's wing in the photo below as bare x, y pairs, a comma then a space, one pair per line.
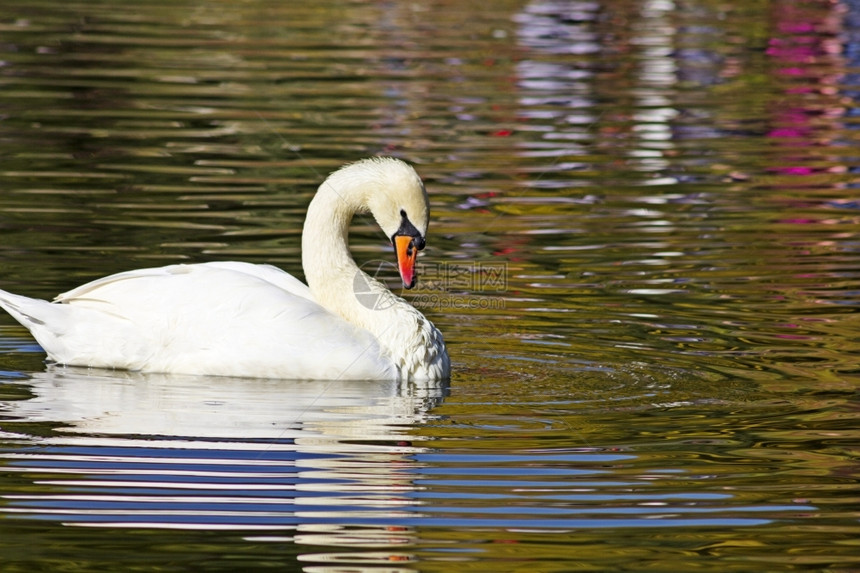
216, 318
267, 273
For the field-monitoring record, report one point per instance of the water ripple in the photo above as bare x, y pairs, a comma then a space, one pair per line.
644, 244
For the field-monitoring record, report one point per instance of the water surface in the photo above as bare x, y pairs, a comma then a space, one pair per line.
643, 256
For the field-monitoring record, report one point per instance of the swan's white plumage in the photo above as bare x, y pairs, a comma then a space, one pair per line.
240, 319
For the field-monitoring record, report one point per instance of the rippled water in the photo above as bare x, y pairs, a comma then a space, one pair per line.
643, 256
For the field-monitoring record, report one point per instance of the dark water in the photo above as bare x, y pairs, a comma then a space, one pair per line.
643, 256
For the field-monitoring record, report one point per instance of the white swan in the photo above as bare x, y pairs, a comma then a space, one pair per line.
240, 319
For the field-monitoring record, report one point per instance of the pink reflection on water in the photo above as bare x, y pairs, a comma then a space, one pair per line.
804, 49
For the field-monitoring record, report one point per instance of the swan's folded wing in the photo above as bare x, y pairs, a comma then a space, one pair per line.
268, 273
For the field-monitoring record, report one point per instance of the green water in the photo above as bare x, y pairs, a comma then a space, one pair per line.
642, 255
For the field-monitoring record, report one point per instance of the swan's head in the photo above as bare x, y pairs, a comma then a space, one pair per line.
396, 198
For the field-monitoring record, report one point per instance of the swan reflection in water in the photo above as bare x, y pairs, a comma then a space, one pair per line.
325, 462
126, 403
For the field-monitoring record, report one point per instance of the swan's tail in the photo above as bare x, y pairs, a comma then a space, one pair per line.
75, 334
30, 312
46, 321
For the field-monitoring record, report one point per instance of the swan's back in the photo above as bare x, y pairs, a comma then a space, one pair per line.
233, 319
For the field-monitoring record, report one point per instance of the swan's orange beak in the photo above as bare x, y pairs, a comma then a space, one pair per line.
407, 252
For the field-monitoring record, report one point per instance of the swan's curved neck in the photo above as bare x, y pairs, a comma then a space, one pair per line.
413, 344
329, 267
326, 259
